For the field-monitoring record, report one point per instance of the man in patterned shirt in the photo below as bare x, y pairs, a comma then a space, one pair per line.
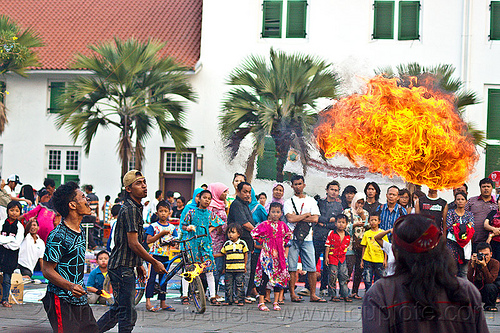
127, 254
63, 264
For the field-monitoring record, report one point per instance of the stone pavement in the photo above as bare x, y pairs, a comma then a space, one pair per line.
295, 317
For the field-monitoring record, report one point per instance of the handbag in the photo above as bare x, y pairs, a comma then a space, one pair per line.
301, 229
4, 198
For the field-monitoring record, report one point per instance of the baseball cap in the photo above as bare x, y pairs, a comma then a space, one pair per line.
131, 176
14, 178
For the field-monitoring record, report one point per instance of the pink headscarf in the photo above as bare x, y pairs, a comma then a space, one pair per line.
281, 201
217, 189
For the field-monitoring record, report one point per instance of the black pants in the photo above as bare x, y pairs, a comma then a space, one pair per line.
263, 285
253, 267
67, 317
489, 293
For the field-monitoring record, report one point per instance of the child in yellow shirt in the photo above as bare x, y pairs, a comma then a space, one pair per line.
374, 259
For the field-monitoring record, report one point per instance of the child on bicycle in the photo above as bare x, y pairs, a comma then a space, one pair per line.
272, 267
200, 221
236, 251
158, 233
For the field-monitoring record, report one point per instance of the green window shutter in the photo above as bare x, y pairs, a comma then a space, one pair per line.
266, 164
296, 19
2, 92
492, 159
495, 20
56, 91
57, 179
271, 19
493, 124
409, 20
71, 178
383, 23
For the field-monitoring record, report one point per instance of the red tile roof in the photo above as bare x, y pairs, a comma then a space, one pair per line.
68, 26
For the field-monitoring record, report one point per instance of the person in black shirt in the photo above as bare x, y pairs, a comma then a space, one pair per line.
372, 191
127, 254
239, 213
434, 206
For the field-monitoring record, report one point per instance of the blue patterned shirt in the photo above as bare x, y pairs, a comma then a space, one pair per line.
387, 218
66, 248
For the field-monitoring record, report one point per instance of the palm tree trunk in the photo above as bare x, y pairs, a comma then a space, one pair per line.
281, 156
250, 166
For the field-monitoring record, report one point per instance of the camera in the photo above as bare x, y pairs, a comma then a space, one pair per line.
480, 256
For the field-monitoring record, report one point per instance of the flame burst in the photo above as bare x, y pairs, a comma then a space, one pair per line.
414, 132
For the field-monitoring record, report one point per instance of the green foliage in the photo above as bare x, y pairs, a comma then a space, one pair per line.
16, 53
442, 78
132, 89
276, 97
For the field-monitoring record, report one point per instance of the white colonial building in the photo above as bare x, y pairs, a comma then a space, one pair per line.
213, 37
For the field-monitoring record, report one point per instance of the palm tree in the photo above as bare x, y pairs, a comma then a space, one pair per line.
16, 54
133, 89
276, 98
441, 76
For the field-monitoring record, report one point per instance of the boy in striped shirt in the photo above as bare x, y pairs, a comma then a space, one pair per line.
236, 252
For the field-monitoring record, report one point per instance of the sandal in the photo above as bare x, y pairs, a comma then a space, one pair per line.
355, 296
281, 302
152, 309
168, 308
334, 299
6, 304
347, 299
240, 303
267, 300
276, 306
263, 307
490, 309
185, 300
214, 301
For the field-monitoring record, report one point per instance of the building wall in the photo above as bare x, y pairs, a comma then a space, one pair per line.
339, 31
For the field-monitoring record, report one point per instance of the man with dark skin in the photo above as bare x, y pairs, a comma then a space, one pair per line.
302, 208
128, 254
66, 301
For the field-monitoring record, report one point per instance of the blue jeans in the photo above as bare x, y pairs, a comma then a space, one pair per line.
372, 271
235, 280
220, 263
339, 271
123, 310
6, 286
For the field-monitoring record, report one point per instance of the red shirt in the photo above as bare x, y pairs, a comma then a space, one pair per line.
338, 248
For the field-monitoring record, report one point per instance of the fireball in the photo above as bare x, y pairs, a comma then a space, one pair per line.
415, 133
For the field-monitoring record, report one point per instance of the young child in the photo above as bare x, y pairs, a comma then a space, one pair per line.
157, 233
236, 252
114, 215
31, 250
272, 268
374, 259
11, 237
200, 221
390, 268
262, 198
96, 279
335, 257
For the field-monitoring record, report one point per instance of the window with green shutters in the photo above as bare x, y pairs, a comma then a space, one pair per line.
409, 14
383, 23
493, 124
266, 164
296, 19
495, 20
271, 19
492, 159
56, 91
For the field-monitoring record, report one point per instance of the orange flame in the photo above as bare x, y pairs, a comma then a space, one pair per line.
414, 132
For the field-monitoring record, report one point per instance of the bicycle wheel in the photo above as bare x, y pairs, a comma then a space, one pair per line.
197, 295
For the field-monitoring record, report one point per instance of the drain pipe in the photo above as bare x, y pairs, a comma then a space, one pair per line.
466, 47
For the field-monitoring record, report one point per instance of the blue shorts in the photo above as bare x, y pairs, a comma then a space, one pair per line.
306, 251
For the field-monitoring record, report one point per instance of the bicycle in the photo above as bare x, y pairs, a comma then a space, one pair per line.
196, 292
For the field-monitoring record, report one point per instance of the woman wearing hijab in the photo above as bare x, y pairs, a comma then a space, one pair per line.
218, 206
278, 192
424, 294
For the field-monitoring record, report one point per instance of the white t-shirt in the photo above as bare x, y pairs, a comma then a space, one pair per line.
303, 205
391, 261
30, 252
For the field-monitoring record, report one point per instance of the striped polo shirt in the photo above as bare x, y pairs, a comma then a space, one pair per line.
235, 255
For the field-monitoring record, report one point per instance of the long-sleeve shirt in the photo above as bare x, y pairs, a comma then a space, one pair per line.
480, 209
483, 274
12, 237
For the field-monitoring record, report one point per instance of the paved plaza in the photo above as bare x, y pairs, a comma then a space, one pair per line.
295, 317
